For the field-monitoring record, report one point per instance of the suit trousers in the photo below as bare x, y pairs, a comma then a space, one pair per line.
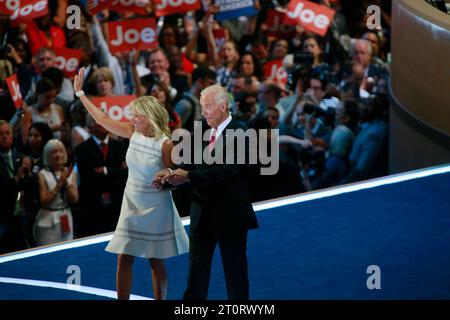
234, 260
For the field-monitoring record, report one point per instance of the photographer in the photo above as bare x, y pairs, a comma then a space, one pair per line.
337, 164
368, 158
246, 106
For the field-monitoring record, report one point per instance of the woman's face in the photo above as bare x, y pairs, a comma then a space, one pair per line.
280, 49
141, 123
247, 66
168, 37
159, 94
104, 86
310, 45
56, 157
45, 99
35, 139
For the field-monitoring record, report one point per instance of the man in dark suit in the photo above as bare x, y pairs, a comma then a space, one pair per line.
103, 174
13, 170
221, 210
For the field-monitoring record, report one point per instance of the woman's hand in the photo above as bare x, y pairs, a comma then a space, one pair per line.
78, 81
65, 173
164, 77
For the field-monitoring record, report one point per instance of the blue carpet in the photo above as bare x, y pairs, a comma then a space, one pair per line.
312, 250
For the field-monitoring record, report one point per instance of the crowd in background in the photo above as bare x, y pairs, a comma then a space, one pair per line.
62, 175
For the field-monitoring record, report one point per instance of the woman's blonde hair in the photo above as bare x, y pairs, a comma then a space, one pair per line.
48, 148
155, 112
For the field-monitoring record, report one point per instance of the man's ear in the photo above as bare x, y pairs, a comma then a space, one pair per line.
224, 106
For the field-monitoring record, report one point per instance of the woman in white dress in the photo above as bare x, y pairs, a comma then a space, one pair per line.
149, 225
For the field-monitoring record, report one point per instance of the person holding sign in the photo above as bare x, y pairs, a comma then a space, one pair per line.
149, 225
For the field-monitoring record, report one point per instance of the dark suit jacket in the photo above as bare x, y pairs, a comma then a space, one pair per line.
221, 195
92, 184
8, 186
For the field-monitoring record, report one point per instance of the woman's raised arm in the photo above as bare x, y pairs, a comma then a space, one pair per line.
118, 128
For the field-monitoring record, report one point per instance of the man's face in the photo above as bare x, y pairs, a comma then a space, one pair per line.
213, 112
317, 91
372, 38
158, 63
45, 60
6, 138
237, 85
361, 54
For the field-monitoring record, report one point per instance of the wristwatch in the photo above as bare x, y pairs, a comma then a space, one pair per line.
79, 93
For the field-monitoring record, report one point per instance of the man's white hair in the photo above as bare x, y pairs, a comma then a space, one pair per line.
220, 94
363, 42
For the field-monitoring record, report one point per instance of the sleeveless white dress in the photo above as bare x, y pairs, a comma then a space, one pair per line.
48, 226
149, 225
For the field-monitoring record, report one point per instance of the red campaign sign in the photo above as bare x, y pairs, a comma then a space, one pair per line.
274, 70
136, 34
276, 25
168, 7
95, 6
29, 10
312, 16
68, 60
116, 107
219, 37
137, 6
14, 91
9, 6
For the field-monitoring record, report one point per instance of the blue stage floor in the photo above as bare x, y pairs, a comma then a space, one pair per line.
317, 245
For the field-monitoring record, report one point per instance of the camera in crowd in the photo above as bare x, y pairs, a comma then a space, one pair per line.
300, 70
303, 69
327, 114
310, 108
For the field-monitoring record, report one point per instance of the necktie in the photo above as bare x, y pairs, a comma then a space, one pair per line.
104, 149
212, 140
9, 164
